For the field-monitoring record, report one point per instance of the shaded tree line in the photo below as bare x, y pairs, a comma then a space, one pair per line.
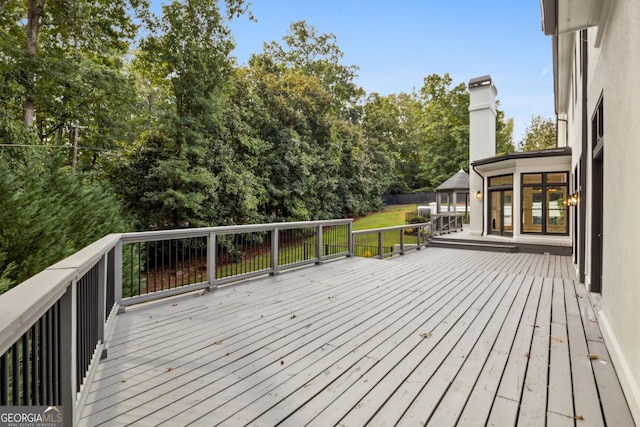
172, 132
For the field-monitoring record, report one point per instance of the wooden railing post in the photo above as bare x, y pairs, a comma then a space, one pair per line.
380, 244
211, 261
68, 354
402, 239
274, 251
117, 272
350, 239
102, 300
319, 244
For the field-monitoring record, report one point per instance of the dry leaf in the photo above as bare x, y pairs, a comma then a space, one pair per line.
293, 316
307, 385
527, 355
579, 417
169, 369
557, 339
592, 356
282, 362
173, 305
425, 335
217, 343
228, 354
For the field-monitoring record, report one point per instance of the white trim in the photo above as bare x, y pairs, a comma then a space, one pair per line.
605, 15
630, 387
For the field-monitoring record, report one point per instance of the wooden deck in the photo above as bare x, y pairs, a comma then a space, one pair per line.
440, 337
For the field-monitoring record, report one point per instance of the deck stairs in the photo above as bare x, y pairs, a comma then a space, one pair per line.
496, 246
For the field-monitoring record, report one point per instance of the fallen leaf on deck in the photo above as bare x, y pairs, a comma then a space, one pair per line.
217, 343
557, 339
425, 335
307, 385
173, 305
228, 354
169, 369
527, 355
592, 356
293, 316
282, 362
579, 417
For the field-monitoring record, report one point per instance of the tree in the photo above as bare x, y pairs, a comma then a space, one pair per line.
540, 134
390, 122
444, 127
504, 133
48, 214
43, 33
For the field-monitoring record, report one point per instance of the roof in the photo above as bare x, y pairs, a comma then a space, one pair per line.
459, 181
551, 152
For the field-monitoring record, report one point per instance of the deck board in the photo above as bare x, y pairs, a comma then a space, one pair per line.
344, 343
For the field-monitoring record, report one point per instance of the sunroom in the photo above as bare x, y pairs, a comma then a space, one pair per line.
525, 196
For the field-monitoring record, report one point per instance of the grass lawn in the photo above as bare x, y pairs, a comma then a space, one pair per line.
389, 217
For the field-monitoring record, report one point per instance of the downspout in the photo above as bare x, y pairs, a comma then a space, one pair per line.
582, 189
482, 177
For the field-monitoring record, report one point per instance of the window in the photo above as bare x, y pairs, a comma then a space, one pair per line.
544, 203
497, 181
597, 129
501, 205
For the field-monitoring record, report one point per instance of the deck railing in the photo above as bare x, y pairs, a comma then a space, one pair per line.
52, 329
53, 325
386, 242
446, 222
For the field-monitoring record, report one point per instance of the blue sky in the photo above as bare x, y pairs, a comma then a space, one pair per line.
398, 43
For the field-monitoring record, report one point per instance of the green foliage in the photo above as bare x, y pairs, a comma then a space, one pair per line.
540, 134
186, 137
426, 135
504, 133
47, 213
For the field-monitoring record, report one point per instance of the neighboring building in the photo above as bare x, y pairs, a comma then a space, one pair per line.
596, 61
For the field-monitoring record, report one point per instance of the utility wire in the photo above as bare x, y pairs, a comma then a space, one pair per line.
58, 146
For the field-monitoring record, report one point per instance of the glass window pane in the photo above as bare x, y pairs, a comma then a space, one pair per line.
532, 178
557, 178
556, 209
496, 217
507, 210
500, 180
532, 209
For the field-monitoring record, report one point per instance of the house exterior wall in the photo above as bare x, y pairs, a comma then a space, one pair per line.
613, 53
616, 76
